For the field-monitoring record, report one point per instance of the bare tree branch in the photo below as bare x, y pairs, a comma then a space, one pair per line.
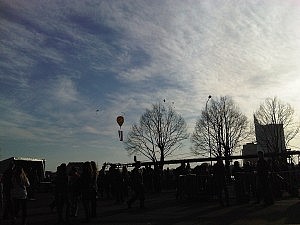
275, 120
228, 128
160, 132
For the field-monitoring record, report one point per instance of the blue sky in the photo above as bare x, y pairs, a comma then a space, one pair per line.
60, 61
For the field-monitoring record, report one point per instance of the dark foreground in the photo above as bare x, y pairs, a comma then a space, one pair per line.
164, 209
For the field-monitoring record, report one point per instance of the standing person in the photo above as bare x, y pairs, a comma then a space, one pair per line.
126, 181
74, 189
1, 196
157, 178
220, 181
188, 168
86, 183
100, 181
62, 193
238, 175
116, 181
107, 185
148, 177
249, 179
137, 186
94, 189
179, 173
53, 203
34, 181
7, 186
263, 190
20, 183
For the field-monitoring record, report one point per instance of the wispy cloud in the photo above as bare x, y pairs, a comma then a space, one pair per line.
59, 61
65, 90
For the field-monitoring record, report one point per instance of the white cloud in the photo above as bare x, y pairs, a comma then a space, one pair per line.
91, 130
181, 51
65, 90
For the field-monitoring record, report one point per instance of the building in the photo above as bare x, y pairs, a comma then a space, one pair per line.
270, 137
249, 149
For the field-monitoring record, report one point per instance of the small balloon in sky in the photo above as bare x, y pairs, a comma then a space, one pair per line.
99, 109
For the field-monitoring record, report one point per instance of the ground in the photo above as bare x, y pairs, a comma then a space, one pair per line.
165, 209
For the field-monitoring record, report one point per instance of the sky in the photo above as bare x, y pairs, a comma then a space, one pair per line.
69, 68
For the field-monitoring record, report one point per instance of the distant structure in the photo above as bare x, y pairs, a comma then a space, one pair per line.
250, 149
28, 164
269, 139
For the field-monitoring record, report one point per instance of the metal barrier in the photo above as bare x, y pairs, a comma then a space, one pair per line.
192, 185
242, 187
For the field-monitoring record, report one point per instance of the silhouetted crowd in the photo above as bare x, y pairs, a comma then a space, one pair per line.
262, 182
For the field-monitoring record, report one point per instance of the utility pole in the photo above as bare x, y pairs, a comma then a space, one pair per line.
208, 119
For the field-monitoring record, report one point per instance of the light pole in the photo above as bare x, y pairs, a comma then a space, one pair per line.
209, 97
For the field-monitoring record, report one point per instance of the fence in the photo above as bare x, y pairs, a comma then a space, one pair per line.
241, 187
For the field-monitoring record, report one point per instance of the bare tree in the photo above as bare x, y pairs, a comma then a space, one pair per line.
220, 129
274, 125
160, 132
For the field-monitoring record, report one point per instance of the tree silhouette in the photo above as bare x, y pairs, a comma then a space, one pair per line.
159, 133
274, 125
220, 129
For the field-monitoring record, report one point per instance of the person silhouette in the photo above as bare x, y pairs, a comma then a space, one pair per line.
20, 184
7, 186
62, 193
86, 188
263, 190
137, 186
219, 175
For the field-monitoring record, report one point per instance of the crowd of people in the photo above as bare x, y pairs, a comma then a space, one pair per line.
86, 184
259, 182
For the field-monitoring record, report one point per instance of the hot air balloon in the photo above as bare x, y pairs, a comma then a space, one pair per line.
120, 121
